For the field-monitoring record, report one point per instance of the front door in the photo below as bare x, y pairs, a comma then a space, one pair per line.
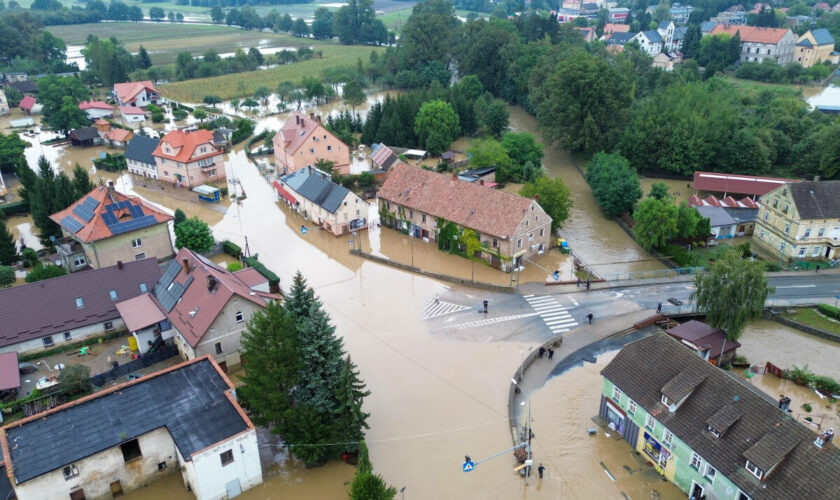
827, 252
223, 366
116, 489
77, 495
696, 492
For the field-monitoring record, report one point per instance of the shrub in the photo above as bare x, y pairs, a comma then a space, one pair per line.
42, 272
348, 181
830, 311
807, 407
179, 114
273, 279
74, 379
7, 276
223, 191
16, 208
231, 249
234, 266
30, 258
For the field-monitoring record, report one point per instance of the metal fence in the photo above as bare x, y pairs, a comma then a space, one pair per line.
656, 273
131, 366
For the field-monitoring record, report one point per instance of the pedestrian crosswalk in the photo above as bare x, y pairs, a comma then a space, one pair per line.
433, 308
555, 316
490, 321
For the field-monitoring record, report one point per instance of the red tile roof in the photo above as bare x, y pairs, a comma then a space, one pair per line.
752, 33
128, 91
739, 184
9, 374
199, 307
297, 128
728, 202
119, 134
139, 312
251, 277
285, 194
27, 102
96, 229
616, 28
95, 105
467, 204
702, 335
184, 144
132, 110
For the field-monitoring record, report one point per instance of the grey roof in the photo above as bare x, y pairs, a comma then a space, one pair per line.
620, 38
55, 300
683, 383
816, 200
707, 26
189, 401
317, 187
742, 215
822, 36
717, 216
804, 43
6, 491
84, 134
663, 24
25, 86
805, 471
477, 172
653, 36
724, 418
140, 149
679, 33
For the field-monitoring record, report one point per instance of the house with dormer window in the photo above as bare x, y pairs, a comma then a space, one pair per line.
710, 432
189, 158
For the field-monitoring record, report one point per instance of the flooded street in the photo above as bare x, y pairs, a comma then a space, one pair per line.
599, 241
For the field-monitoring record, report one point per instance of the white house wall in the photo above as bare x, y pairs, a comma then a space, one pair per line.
76, 335
211, 477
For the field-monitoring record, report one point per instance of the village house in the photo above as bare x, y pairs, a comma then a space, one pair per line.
813, 47
610, 28
303, 141
26, 87
4, 103
587, 33
382, 157
721, 223
132, 114
507, 227
710, 432
105, 227
705, 341
616, 41
183, 419
84, 137
70, 308
203, 306
97, 109
649, 41
189, 158
667, 30
329, 205
139, 94
667, 60
118, 137
680, 13
760, 44
139, 158
29, 106
619, 15
743, 212
800, 220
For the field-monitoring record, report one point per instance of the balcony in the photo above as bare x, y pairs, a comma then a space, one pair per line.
208, 165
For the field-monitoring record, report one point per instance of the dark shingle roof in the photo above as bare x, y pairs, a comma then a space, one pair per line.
93, 287
25, 86
724, 418
653, 36
683, 383
140, 149
6, 491
620, 38
317, 187
816, 200
84, 134
772, 447
805, 472
190, 401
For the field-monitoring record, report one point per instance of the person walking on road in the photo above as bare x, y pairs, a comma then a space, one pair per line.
589, 317
578, 282
542, 352
541, 470
659, 308
550, 353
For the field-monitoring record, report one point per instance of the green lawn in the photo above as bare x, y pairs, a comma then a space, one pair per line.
242, 84
782, 88
811, 317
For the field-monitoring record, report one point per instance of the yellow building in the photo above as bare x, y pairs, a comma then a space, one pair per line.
4, 104
814, 47
800, 220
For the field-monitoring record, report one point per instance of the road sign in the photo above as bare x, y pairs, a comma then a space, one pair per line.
468, 466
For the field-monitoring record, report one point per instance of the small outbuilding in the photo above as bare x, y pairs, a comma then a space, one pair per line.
708, 342
210, 194
84, 137
722, 224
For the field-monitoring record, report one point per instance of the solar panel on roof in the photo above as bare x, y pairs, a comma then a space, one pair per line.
136, 211
109, 218
90, 203
71, 224
133, 224
83, 213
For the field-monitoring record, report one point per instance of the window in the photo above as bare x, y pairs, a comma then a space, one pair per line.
329, 148
79, 261
109, 325
165, 172
754, 470
710, 473
666, 401
239, 317
80, 303
542, 231
312, 150
131, 450
631, 407
761, 235
411, 214
776, 203
70, 471
68, 337
143, 288
815, 252
140, 256
495, 243
742, 496
218, 347
650, 423
519, 243
530, 236
48, 341
161, 466
668, 438
807, 233
787, 228
227, 457
821, 232
785, 209
113, 294
616, 394
802, 251
696, 461
766, 215
422, 218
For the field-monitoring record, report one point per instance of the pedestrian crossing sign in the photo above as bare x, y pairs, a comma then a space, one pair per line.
468, 466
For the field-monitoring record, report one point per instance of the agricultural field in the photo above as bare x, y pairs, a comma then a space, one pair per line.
243, 84
164, 40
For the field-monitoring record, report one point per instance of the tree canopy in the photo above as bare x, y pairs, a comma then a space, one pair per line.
436, 126
614, 183
553, 196
194, 234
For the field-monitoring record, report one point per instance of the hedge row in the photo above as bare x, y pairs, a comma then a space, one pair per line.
232, 249
73, 346
830, 311
273, 279
15, 208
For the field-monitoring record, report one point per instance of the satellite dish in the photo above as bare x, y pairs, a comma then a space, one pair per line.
52, 238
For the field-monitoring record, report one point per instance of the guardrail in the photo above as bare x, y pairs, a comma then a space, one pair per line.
654, 273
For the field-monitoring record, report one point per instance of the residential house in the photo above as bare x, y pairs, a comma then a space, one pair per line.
15, 76
706, 341
327, 204
752, 185
722, 225
84, 137
760, 44
29, 105
610, 28
666, 30
587, 33
667, 60
139, 158
132, 114
382, 157
617, 41
183, 420
758, 7
709, 431
70, 308
800, 220
119, 137
139, 94
588, 9
744, 219
302, 141
97, 109
221, 138
619, 15
26, 87
729, 17
706, 27
429, 205
794, 22
813, 47
202, 305
189, 158
106, 227
649, 41
680, 13
483, 176
4, 103
571, 4
679, 37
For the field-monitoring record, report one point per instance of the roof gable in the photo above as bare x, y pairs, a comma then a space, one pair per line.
185, 145
129, 90
317, 187
816, 200
298, 128
140, 148
752, 34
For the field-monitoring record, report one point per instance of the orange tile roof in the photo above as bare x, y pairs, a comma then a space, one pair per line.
465, 203
616, 28
297, 128
96, 229
752, 33
95, 105
119, 134
129, 90
187, 142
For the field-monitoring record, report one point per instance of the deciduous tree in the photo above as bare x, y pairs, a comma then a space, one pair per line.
7, 276
194, 234
614, 183
11, 152
656, 222
436, 126
553, 196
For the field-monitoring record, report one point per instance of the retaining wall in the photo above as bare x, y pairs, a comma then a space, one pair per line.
810, 330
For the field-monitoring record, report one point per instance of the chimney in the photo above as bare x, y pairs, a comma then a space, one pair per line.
816, 178
211, 282
824, 438
119, 264
297, 119
453, 179
319, 118
481, 182
311, 116
185, 263
537, 198
111, 192
784, 403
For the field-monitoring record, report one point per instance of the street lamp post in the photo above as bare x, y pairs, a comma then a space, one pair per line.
528, 431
